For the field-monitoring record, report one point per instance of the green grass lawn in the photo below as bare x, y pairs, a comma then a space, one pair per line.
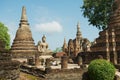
24, 76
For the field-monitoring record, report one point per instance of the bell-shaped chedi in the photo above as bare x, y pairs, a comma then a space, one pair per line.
108, 43
24, 33
23, 44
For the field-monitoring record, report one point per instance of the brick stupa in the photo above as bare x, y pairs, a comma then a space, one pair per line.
23, 45
108, 43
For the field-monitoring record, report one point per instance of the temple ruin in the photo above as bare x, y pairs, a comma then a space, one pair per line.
106, 46
77, 45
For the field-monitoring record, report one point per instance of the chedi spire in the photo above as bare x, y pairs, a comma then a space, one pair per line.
78, 27
23, 16
64, 41
78, 34
64, 48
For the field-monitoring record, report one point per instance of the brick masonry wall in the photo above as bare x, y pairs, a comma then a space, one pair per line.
65, 74
9, 70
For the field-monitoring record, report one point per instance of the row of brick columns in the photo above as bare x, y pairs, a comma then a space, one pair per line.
64, 62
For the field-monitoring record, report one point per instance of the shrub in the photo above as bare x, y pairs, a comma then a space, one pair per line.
101, 70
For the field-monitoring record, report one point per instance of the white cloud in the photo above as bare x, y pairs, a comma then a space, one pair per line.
12, 36
50, 27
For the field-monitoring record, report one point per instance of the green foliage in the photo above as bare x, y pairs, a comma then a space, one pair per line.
4, 36
98, 12
59, 49
101, 70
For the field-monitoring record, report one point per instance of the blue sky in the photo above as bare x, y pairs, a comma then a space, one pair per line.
54, 18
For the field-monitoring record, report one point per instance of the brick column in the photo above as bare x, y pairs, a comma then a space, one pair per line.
47, 63
37, 60
107, 46
114, 47
79, 60
64, 62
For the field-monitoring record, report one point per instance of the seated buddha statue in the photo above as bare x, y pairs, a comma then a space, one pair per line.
43, 46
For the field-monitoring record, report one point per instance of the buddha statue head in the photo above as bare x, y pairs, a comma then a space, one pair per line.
43, 39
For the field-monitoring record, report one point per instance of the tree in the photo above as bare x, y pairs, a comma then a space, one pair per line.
98, 12
101, 70
58, 49
4, 36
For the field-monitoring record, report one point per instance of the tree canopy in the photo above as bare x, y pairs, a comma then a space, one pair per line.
58, 49
98, 12
4, 36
